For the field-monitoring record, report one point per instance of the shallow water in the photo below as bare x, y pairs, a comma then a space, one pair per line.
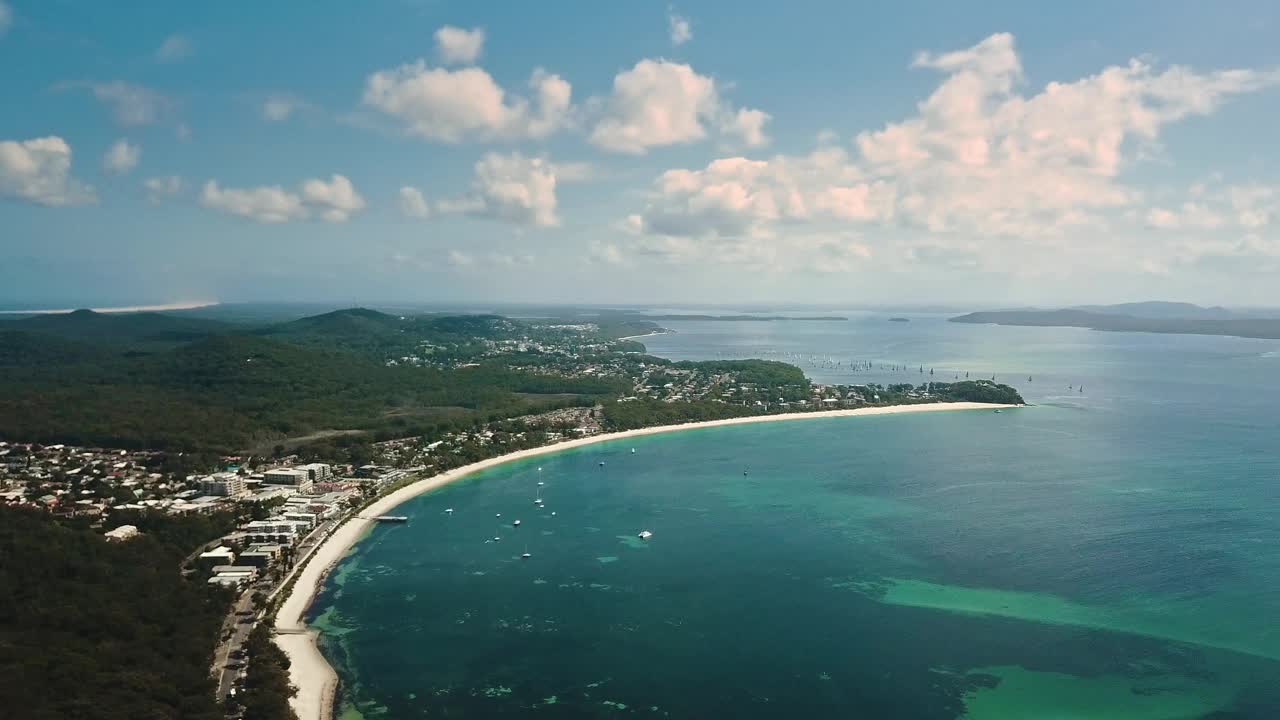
1111, 554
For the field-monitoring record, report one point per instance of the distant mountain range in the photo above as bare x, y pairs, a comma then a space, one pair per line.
1150, 317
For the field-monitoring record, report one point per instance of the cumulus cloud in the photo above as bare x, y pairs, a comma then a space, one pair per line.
175, 48
679, 29
746, 127
978, 161
659, 102
413, 204
456, 46
121, 157
162, 187
980, 157
280, 107
1244, 208
39, 171
334, 200
737, 197
455, 105
512, 188
131, 105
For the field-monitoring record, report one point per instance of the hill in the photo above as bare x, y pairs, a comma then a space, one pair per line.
1161, 311
148, 329
232, 392
378, 336
1237, 327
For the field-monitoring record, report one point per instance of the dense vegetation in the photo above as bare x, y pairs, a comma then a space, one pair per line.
645, 413
235, 392
103, 631
983, 391
266, 684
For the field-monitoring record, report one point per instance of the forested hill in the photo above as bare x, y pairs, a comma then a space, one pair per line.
1237, 327
232, 392
101, 631
122, 329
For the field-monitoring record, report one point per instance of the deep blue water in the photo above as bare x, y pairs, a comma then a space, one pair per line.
1107, 554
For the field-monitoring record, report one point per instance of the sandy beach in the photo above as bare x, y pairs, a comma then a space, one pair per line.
311, 673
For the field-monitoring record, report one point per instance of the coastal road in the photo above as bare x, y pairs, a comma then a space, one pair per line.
242, 609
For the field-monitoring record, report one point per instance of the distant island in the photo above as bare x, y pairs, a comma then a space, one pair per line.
1155, 317
899, 319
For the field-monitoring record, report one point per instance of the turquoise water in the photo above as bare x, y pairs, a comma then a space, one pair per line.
1107, 554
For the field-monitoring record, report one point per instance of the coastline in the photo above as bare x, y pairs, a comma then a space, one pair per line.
311, 673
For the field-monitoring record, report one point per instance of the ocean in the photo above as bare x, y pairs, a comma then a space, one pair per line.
1111, 553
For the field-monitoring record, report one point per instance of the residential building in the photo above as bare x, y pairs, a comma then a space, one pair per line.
223, 485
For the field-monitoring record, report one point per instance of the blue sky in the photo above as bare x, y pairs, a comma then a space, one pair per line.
816, 152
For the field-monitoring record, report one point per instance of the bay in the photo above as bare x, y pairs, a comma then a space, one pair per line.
1110, 553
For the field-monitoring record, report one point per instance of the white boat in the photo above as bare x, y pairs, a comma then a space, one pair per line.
645, 535
633, 451
448, 511
553, 512
497, 514
540, 483
497, 539
515, 523
526, 556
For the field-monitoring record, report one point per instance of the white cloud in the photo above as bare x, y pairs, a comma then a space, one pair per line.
512, 188
278, 108
746, 127
39, 171
454, 105
456, 46
175, 48
738, 197
266, 204
131, 105
464, 261
1242, 208
979, 157
659, 102
413, 204
6, 17
159, 188
605, 253
121, 157
679, 29
335, 200
993, 176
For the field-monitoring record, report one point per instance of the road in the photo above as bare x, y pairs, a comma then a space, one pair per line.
244, 609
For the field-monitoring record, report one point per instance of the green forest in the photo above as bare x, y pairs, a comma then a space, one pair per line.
104, 631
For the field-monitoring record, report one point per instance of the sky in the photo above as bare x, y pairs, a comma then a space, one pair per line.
844, 153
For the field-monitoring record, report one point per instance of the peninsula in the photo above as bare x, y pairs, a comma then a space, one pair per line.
1167, 318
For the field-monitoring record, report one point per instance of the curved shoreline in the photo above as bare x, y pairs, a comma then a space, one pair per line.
317, 681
